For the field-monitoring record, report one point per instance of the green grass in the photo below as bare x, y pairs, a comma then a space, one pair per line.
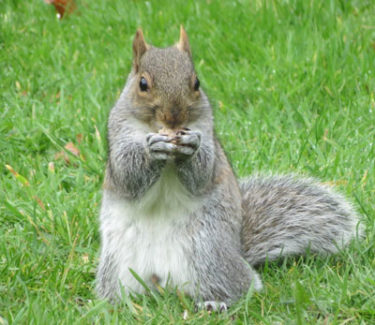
292, 85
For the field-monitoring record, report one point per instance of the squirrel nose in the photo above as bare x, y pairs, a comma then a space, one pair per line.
175, 112
173, 117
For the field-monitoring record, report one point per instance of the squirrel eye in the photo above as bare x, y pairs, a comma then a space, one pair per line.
196, 84
143, 84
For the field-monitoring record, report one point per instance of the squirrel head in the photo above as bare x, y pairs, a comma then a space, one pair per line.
164, 86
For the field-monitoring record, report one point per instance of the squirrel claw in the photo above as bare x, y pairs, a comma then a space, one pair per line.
210, 306
190, 138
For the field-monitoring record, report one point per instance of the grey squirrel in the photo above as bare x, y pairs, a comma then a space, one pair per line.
172, 210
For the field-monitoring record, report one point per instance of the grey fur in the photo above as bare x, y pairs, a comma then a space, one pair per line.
287, 215
226, 227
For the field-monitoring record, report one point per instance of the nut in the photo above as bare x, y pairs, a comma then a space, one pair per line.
168, 132
174, 134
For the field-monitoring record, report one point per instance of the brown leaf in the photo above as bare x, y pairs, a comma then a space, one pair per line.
62, 6
10, 168
40, 203
62, 155
19, 177
72, 148
79, 137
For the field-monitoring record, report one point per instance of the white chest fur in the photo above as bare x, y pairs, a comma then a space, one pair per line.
151, 236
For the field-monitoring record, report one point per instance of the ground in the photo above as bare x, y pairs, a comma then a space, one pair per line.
292, 86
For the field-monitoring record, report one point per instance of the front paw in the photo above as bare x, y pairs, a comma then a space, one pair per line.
163, 147
160, 146
187, 142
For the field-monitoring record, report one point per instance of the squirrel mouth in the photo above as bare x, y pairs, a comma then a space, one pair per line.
173, 118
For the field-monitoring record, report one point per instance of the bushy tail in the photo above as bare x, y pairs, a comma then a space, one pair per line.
284, 215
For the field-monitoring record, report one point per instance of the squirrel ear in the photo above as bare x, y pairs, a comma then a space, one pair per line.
139, 48
183, 43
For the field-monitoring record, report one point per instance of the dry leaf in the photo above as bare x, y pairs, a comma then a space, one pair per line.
62, 155
62, 7
19, 177
85, 258
138, 307
97, 134
39, 201
364, 178
72, 148
10, 168
79, 137
51, 166
336, 182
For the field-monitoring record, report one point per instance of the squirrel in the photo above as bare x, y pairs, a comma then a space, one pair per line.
174, 214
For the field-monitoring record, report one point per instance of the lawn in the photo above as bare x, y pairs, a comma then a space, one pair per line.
293, 90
